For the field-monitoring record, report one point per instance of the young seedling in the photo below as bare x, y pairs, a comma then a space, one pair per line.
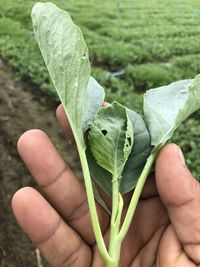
117, 147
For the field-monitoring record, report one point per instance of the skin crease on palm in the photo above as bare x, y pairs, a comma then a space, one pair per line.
165, 231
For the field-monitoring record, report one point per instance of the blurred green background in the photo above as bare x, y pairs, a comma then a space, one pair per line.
134, 45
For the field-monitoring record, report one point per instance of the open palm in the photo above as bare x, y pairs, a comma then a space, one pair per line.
165, 231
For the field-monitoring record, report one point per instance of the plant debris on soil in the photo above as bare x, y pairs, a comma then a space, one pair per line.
22, 109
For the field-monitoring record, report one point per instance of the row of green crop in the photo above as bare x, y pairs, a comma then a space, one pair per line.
101, 15
119, 54
134, 33
124, 45
20, 48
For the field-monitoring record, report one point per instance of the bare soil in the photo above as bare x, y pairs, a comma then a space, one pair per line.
22, 107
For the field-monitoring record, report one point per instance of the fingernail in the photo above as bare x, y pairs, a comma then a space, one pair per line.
181, 157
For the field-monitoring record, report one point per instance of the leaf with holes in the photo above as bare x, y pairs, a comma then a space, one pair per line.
110, 138
140, 151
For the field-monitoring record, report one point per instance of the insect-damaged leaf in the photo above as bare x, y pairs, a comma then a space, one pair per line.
135, 163
66, 56
111, 138
166, 107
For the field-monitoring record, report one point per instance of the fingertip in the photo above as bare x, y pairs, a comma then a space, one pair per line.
169, 159
60, 111
174, 181
62, 117
21, 203
28, 139
59, 243
19, 198
33, 213
167, 152
64, 122
105, 104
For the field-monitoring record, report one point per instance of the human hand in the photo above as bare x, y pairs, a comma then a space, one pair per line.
165, 230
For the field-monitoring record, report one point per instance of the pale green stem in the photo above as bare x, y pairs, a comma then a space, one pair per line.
115, 198
117, 207
136, 196
115, 254
92, 206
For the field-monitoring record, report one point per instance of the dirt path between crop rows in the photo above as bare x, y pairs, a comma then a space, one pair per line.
20, 110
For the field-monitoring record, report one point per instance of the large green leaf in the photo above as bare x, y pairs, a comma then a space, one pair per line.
111, 138
93, 101
166, 107
135, 163
66, 56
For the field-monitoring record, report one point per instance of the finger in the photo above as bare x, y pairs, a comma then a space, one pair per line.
59, 243
58, 182
180, 193
63, 120
148, 251
171, 252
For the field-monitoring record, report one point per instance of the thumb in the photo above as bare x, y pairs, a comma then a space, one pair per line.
180, 193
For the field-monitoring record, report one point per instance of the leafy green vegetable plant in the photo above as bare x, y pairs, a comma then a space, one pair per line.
117, 147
